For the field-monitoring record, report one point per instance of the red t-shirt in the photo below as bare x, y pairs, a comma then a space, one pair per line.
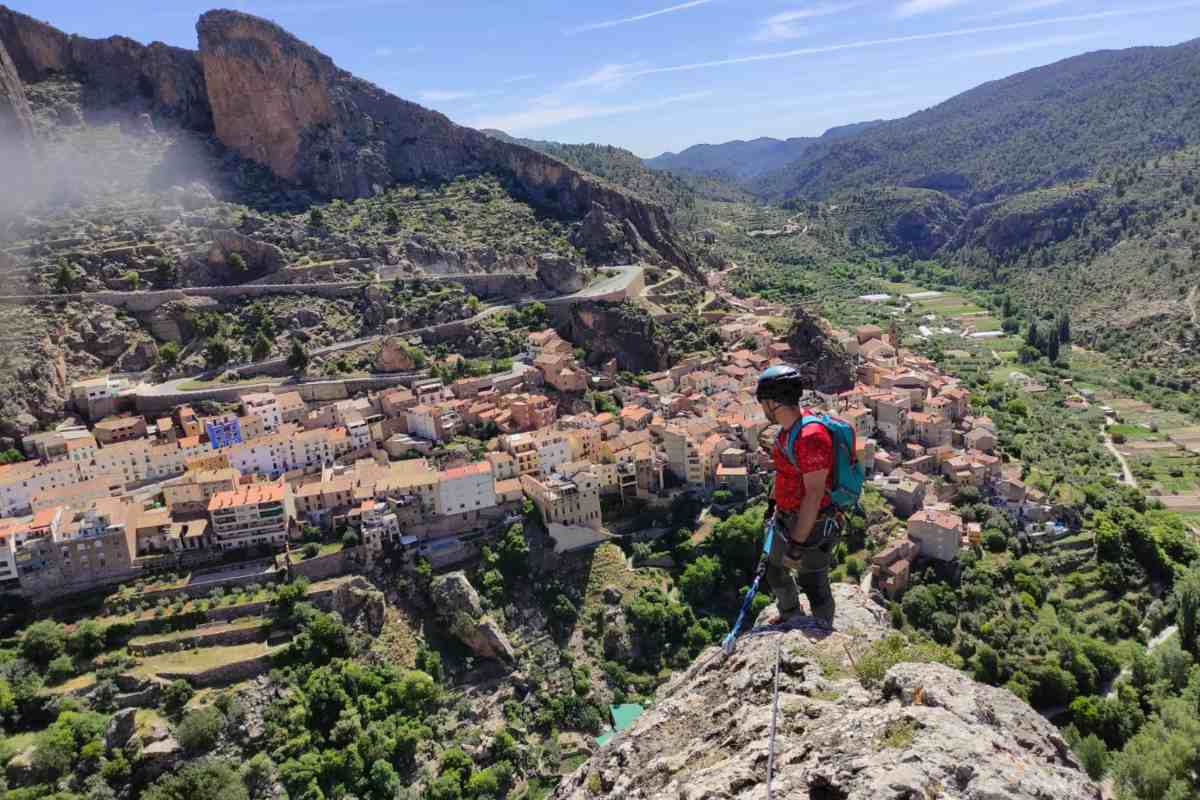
814, 452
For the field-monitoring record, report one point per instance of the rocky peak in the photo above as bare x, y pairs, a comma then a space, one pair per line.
925, 730
116, 71
16, 120
281, 102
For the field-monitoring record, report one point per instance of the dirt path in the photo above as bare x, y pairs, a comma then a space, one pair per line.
1164, 634
1127, 474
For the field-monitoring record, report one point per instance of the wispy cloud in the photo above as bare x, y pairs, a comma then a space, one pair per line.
519, 78
1026, 7
916, 37
609, 76
612, 23
786, 25
911, 8
1032, 44
538, 118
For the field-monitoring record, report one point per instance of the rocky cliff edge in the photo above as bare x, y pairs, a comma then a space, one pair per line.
926, 731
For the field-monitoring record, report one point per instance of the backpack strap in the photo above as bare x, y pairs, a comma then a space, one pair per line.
793, 433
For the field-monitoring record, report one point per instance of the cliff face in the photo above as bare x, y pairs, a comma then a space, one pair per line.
16, 120
924, 731
280, 102
114, 71
617, 330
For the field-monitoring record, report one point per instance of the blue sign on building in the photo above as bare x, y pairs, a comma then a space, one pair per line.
223, 434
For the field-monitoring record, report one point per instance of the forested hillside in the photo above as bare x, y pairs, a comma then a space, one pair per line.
1037, 128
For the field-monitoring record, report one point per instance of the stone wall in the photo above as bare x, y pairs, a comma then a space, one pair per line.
226, 674
330, 566
203, 638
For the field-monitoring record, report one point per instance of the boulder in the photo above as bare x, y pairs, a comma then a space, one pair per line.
618, 644
826, 362
458, 605
454, 594
620, 331
486, 640
19, 769
358, 597
261, 258
394, 356
120, 728
156, 758
560, 274
139, 357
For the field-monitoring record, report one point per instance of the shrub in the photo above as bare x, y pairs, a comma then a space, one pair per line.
872, 665
43, 642
1093, 755
60, 669
199, 729
176, 696
310, 550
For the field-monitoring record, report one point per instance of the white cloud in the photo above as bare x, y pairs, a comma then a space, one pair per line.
547, 116
612, 23
786, 24
916, 37
911, 8
1031, 44
446, 96
609, 76
1025, 7
384, 52
519, 78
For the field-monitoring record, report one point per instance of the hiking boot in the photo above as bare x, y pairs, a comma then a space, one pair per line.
786, 617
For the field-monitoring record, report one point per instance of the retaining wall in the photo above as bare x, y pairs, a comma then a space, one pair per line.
203, 638
225, 674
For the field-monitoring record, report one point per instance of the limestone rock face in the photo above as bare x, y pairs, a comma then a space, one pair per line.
454, 594
261, 257
16, 120
927, 731
114, 71
156, 758
281, 102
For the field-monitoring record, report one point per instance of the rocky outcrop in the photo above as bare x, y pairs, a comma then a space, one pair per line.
357, 599
114, 72
561, 275
1027, 221
926, 731
157, 758
282, 103
260, 258
814, 350
622, 331
394, 356
120, 728
459, 607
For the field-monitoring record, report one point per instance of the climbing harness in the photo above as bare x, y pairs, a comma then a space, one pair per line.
729, 643
774, 721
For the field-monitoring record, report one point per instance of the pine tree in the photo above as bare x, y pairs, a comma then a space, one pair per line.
1033, 337
1052, 348
298, 357
1064, 328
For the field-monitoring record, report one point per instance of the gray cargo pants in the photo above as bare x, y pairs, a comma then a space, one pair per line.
811, 568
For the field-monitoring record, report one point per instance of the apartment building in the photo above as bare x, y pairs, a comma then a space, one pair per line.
21, 481
436, 423
191, 492
464, 489
254, 514
77, 495
538, 452
224, 432
111, 430
939, 533
97, 545
684, 459
570, 496
292, 407
410, 478
263, 406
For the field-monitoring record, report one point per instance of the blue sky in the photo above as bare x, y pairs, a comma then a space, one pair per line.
655, 75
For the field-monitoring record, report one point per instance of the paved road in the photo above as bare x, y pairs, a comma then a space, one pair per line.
1163, 635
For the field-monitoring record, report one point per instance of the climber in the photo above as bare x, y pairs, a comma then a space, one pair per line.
807, 522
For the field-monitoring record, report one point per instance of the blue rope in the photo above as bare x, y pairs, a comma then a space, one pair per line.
728, 642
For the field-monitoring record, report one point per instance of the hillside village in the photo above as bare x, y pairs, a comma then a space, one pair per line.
112, 495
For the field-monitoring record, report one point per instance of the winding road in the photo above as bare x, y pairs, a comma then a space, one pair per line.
1126, 473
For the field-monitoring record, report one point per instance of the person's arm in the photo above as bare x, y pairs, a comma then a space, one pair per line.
810, 506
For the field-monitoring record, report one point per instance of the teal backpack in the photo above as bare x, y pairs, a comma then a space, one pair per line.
848, 473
